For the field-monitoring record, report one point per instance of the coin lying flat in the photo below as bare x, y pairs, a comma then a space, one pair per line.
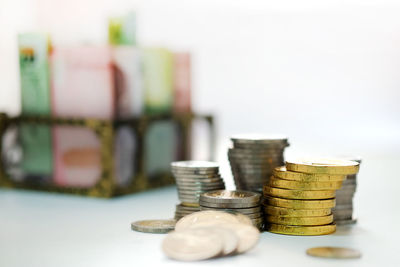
298, 194
287, 212
328, 166
248, 235
154, 226
334, 252
225, 196
282, 173
229, 238
208, 215
193, 244
301, 230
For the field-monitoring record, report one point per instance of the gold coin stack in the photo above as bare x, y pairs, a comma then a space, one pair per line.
299, 197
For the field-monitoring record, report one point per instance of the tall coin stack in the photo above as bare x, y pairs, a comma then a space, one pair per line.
238, 202
299, 198
343, 211
253, 157
193, 178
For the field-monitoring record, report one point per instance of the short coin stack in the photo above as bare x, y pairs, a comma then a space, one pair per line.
238, 202
343, 212
193, 178
253, 157
299, 198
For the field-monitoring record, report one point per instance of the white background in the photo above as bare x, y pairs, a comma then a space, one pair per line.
325, 73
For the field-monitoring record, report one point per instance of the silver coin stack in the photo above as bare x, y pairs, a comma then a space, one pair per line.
193, 178
253, 157
343, 211
238, 202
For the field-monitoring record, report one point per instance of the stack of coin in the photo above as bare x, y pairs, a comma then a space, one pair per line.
299, 198
238, 202
193, 178
253, 157
343, 211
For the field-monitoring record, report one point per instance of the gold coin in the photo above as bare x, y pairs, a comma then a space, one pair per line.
300, 204
299, 185
321, 220
298, 194
283, 173
286, 212
301, 230
328, 166
334, 252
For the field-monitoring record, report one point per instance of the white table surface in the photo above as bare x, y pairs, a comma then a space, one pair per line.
44, 229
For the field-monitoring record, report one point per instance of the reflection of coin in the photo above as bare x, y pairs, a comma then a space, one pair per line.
153, 226
301, 230
328, 166
193, 244
334, 252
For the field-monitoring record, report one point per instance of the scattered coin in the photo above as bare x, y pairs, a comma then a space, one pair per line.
153, 226
334, 252
202, 216
193, 244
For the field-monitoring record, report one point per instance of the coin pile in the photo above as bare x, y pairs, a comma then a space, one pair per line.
299, 198
343, 211
208, 234
253, 157
238, 202
193, 178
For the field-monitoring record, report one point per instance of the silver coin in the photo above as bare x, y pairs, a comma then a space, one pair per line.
199, 181
255, 138
242, 210
201, 187
193, 244
186, 208
186, 173
226, 196
199, 176
228, 205
153, 226
343, 207
195, 164
202, 181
